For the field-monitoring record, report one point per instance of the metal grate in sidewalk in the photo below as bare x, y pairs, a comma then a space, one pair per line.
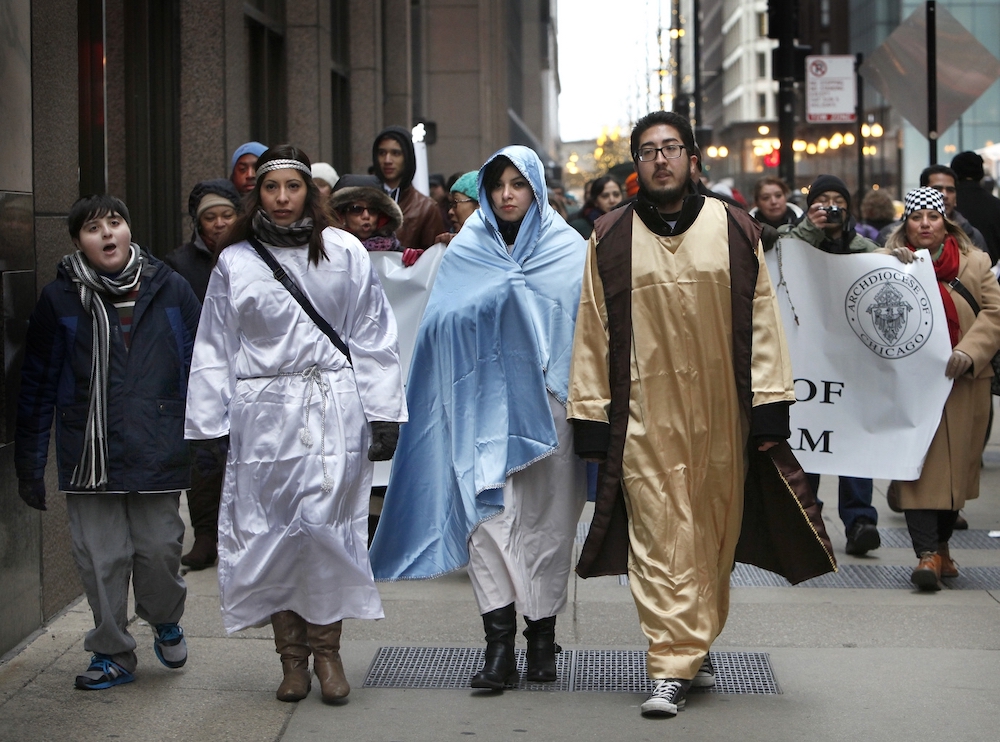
448, 667
879, 577
899, 538
869, 576
624, 671
593, 671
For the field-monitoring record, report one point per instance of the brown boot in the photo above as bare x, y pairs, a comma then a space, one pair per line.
291, 643
325, 644
202, 555
948, 566
927, 575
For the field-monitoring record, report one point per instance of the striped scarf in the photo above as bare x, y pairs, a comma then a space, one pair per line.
92, 471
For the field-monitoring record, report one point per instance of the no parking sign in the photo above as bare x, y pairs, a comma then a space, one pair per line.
831, 89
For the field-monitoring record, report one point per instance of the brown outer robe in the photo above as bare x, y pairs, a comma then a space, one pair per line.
783, 531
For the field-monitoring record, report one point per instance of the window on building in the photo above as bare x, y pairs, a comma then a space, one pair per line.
762, 25
265, 24
340, 89
152, 121
762, 106
93, 167
761, 65
824, 13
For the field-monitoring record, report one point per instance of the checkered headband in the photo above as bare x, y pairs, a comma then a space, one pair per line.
923, 198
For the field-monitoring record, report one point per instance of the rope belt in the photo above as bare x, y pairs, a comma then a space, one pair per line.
313, 376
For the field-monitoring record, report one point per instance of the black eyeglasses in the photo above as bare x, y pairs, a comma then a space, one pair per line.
453, 204
669, 151
357, 209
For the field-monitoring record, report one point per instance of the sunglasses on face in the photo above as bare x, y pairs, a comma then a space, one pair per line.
358, 209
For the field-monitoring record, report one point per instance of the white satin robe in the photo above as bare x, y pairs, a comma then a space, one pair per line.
293, 521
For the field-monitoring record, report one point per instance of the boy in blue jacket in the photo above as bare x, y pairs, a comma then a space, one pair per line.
108, 352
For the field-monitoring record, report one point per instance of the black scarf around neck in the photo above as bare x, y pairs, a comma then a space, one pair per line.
509, 230
295, 234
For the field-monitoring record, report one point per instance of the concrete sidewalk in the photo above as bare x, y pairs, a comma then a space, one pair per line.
872, 664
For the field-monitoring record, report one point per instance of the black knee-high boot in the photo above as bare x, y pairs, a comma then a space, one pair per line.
542, 649
500, 668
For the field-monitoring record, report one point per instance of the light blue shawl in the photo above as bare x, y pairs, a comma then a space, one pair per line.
496, 337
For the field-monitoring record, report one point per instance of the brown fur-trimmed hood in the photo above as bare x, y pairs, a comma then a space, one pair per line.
369, 190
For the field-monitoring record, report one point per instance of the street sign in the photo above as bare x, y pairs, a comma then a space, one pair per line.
831, 89
898, 69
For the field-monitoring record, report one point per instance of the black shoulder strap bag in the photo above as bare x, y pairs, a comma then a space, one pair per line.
301, 298
962, 291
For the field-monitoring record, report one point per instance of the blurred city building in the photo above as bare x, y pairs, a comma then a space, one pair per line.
144, 98
738, 106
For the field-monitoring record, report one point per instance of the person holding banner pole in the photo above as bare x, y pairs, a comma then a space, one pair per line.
828, 225
971, 297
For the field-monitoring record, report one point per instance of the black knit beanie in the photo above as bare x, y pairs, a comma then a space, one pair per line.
967, 166
824, 183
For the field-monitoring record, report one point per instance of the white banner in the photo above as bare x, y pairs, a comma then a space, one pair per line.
407, 290
869, 344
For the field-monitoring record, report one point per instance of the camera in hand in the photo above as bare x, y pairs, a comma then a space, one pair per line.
834, 215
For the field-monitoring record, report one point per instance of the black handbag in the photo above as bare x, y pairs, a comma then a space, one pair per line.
960, 288
301, 298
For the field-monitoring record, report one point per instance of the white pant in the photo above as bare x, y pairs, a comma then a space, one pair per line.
523, 555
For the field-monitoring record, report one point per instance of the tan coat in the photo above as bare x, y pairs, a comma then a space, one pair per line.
951, 471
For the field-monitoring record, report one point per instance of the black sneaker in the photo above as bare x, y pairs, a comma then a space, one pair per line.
862, 538
667, 698
706, 674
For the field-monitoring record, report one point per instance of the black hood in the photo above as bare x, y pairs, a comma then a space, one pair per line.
402, 136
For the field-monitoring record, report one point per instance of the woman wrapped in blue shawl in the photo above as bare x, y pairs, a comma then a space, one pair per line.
484, 474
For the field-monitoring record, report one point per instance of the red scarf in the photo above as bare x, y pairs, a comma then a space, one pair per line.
945, 269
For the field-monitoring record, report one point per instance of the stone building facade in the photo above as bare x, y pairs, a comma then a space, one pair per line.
144, 98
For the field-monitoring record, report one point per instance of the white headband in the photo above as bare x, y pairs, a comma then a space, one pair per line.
283, 165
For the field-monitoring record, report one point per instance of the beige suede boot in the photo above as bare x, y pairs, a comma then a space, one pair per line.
291, 643
325, 644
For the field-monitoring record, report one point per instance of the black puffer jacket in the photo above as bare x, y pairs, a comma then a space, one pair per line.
147, 384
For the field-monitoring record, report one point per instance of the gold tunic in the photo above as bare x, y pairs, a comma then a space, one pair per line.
683, 465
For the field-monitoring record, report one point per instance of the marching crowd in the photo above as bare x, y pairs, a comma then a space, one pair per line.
257, 367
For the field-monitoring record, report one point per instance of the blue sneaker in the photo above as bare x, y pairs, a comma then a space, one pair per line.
170, 647
103, 673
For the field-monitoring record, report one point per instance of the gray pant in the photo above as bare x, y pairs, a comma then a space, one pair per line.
118, 536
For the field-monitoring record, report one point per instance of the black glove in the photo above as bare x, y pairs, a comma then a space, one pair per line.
32, 491
209, 456
384, 438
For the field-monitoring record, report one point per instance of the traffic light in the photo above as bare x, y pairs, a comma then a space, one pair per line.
785, 65
782, 19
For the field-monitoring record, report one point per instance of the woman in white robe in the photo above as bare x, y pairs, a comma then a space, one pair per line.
300, 416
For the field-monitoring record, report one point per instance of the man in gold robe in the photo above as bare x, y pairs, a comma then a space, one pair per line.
680, 371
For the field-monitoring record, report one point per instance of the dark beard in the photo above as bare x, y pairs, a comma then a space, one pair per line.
666, 196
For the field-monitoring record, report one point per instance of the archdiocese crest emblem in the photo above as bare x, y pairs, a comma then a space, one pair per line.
889, 311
